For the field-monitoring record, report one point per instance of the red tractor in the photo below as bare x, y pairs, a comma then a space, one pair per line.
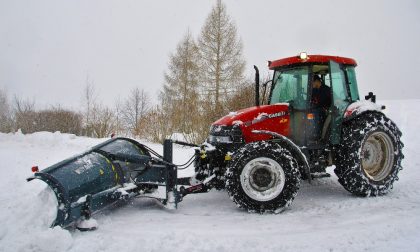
313, 119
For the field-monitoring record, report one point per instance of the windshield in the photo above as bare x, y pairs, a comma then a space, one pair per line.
291, 86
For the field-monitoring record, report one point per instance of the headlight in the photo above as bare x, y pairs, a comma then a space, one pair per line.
219, 139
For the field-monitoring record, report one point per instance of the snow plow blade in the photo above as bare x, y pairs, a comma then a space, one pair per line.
115, 170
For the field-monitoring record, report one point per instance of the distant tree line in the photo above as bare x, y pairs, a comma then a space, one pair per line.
204, 80
94, 120
21, 114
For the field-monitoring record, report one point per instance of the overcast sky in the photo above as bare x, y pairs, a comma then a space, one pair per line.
48, 48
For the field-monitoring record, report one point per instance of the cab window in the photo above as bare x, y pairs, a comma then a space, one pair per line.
351, 76
290, 86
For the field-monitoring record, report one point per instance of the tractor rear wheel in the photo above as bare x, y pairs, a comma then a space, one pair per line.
369, 157
263, 177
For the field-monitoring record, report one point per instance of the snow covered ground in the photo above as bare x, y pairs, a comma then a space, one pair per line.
323, 217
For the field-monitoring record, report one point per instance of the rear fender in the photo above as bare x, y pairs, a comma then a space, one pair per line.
360, 107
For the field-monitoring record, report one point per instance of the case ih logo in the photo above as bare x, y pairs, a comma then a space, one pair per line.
263, 116
282, 113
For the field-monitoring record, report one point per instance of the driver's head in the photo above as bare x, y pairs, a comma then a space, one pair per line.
316, 81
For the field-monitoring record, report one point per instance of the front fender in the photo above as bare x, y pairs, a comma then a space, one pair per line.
293, 148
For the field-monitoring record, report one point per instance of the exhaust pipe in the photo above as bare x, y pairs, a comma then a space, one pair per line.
257, 86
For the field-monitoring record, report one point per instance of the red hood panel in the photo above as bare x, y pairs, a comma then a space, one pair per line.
273, 118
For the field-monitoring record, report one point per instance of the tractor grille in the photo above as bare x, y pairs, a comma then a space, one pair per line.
228, 134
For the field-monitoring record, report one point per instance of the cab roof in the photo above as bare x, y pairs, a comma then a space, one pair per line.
322, 59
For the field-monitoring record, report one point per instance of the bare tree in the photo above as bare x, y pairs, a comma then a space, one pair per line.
155, 125
118, 109
5, 112
135, 107
24, 114
180, 93
102, 121
89, 102
202, 78
222, 63
23, 105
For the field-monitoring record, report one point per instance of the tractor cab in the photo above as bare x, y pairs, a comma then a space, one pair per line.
318, 90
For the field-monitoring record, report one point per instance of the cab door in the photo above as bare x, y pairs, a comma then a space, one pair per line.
340, 101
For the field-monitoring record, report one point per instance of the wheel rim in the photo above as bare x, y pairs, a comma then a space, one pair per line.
378, 156
262, 179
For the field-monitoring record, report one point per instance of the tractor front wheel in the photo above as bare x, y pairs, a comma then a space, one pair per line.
369, 157
263, 177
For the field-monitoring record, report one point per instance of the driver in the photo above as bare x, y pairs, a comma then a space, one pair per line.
320, 103
321, 94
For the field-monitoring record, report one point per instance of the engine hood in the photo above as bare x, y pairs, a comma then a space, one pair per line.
273, 118
253, 115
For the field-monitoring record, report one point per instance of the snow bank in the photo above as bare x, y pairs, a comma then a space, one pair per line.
26, 220
323, 217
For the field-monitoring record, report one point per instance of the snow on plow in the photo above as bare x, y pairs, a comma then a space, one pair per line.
115, 170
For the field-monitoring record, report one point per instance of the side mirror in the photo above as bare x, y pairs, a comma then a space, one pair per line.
371, 97
265, 89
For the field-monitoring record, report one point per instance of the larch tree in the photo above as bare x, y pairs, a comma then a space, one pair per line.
222, 64
180, 98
